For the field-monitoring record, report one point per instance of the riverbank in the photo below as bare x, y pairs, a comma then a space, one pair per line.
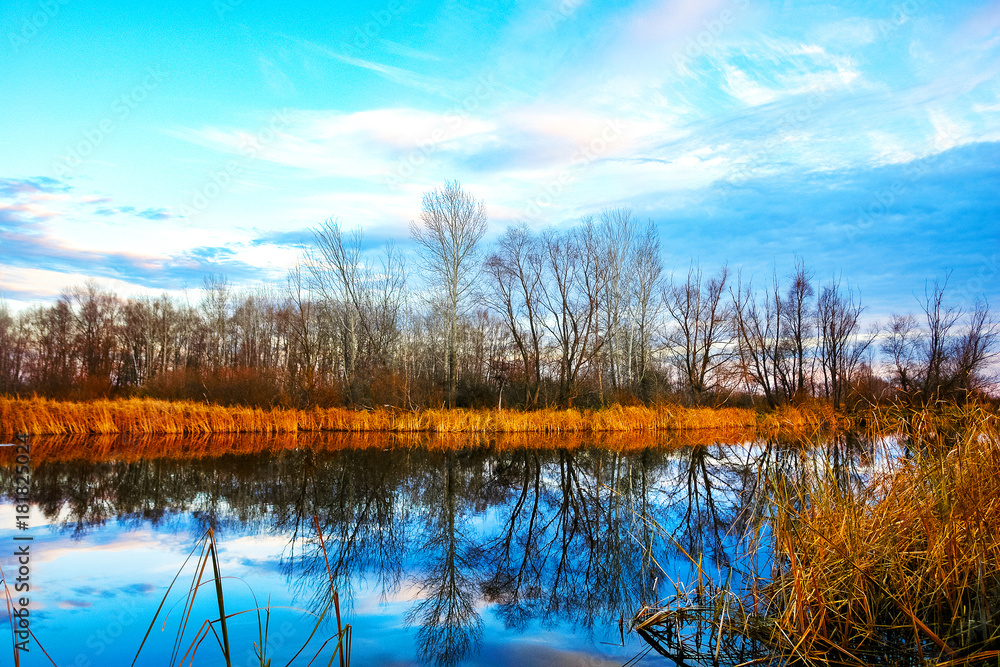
38, 416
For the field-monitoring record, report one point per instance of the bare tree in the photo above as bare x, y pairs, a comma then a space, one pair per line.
300, 312
336, 273
365, 298
841, 343
569, 299
797, 316
453, 224
976, 349
513, 290
900, 346
216, 306
614, 252
700, 331
772, 335
939, 362
646, 288
13, 349
96, 319
757, 330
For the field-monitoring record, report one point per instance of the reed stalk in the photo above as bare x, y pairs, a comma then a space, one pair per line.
904, 570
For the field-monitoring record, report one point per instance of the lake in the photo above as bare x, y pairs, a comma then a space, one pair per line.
443, 550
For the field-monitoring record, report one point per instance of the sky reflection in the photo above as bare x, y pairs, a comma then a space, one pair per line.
479, 556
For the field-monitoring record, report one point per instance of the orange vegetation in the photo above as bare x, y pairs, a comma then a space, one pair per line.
131, 448
38, 416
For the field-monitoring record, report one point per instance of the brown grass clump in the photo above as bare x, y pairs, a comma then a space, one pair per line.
803, 421
905, 570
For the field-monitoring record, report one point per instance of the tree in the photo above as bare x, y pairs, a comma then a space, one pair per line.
512, 291
96, 315
14, 348
701, 328
336, 271
772, 336
365, 299
939, 362
569, 297
798, 318
646, 286
757, 328
841, 344
614, 241
216, 306
453, 224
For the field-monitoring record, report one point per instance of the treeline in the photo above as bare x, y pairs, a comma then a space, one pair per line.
579, 316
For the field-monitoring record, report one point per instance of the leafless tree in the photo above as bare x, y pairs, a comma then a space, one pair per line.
841, 342
364, 297
512, 291
797, 316
336, 272
614, 252
216, 305
772, 334
96, 312
14, 347
569, 299
699, 331
453, 222
900, 346
939, 361
758, 338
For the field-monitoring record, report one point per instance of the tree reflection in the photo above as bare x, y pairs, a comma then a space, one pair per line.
355, 497
702, 524
555, 537
512, 561
449, 625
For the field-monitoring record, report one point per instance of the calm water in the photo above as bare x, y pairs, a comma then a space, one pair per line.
523, 553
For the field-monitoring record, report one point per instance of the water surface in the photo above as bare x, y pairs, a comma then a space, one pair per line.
444, 552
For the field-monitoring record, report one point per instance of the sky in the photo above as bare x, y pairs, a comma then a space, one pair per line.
150, 144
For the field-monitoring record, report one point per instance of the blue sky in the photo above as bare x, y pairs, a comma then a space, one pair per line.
150, 145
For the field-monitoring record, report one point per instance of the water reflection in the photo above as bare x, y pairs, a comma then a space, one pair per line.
575, 532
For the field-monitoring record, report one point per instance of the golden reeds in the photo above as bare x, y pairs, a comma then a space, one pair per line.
907, 566
136, 447
38, 416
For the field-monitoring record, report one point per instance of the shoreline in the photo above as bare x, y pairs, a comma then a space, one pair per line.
38, 416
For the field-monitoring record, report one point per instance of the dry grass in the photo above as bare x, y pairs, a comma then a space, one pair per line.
905, 571
137, 447
38, 416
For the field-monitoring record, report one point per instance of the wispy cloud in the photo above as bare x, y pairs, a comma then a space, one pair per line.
395, 74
